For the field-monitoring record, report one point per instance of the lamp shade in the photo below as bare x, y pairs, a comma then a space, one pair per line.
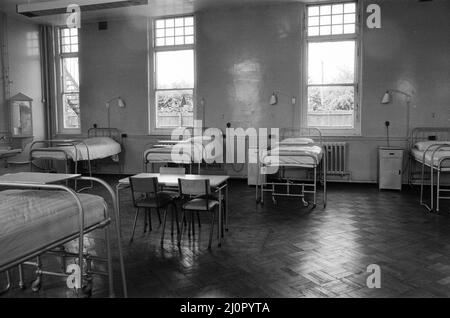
121, 102
273, 99
386, 98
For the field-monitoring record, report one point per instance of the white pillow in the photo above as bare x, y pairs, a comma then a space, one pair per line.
423, 145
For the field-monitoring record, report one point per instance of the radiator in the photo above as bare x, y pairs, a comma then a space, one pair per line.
336, 153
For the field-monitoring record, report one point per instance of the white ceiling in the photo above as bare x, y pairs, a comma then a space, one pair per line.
154, 8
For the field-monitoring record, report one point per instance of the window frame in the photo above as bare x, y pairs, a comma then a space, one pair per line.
153, 50
59, 83
356, 37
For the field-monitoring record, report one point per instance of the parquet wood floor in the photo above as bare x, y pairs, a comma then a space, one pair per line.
288, 251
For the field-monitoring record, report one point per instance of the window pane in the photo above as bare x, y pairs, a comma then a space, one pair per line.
159, 24
170, 41
325, 30
179, 40
160, 42
175, 69
71, 111
349, 28
336, 29
174, 108
179, 22
312, 21
189, 31
312, 11
325, 20
169, 23
313, 31
70, 74
325, 9
349, 7
331, 62
338, 19
331, 106
159, 33
189, 40
349, 18
188, 21
179, 31
337, 8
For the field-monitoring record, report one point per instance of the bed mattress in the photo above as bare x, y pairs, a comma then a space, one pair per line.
188, 152
32, 219
99, 148
418, 155
296, 155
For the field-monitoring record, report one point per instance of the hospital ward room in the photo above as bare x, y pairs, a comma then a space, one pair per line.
224, 149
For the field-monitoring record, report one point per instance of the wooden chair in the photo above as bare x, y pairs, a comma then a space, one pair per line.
198, 200
151, 198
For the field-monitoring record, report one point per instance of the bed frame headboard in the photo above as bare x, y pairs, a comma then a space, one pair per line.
429, 133
313, 133
112, 133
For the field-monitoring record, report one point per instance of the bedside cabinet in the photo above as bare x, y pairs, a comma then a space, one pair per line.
390, 168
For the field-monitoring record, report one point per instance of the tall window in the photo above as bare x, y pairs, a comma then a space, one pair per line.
332, 67
68, 108
174, 69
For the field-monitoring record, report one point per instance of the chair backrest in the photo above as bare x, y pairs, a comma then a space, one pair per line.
193, 187
172, 170
148, 186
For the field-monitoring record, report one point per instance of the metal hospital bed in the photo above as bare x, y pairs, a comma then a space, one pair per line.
38, 215
195, 147
101, 143
430, 149
296, 149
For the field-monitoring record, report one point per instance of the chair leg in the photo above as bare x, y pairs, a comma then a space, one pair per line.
146, 213
150, 219
171, 221
198, 219
134, 225
193, 224
183, 226
164, 226
159, 216
176, 217
213, 216
189, 223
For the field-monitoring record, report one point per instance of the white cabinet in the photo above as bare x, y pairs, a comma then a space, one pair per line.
390, 168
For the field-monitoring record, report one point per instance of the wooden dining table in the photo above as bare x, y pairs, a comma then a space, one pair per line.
218, 184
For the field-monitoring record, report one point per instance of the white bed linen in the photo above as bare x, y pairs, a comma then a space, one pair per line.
99, 148
307, 155
31, 219
418, 155
190, 150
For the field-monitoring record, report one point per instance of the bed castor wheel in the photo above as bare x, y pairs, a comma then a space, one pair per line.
274, 200
36, 284
22, 285
305, 203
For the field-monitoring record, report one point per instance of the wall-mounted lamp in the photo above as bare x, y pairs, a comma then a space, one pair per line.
387, 98
274, 98
120, 103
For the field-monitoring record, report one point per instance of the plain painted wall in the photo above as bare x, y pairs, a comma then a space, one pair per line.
20, 41
245, 53
25, 68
